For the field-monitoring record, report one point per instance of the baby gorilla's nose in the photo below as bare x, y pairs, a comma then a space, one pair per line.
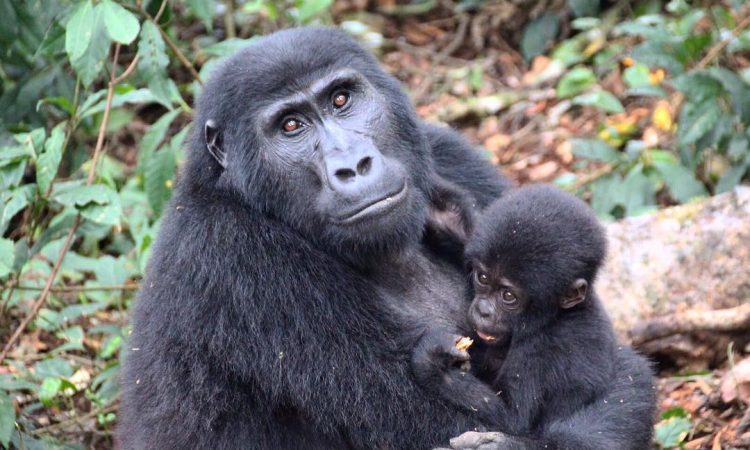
484, 308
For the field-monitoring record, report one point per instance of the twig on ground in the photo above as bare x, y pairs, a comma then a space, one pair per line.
731, 319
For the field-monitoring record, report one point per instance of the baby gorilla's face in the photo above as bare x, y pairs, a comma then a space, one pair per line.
498, 301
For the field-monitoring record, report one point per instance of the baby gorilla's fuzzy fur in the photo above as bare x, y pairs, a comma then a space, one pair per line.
564, 382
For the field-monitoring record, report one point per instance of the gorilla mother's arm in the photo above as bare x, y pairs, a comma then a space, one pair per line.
262, 324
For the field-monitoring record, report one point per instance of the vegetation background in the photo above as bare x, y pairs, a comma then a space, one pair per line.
631, 105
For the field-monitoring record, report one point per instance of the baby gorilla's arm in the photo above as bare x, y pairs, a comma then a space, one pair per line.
434, 363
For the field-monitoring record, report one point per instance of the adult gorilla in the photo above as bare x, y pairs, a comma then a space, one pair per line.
289, 282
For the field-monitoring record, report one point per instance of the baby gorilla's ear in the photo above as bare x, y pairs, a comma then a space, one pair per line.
576, 294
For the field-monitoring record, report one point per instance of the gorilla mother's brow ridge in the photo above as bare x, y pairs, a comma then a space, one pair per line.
318, 89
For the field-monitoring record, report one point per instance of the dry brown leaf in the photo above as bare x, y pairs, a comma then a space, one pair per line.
736, 383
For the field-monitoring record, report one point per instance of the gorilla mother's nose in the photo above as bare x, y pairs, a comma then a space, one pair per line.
352, 171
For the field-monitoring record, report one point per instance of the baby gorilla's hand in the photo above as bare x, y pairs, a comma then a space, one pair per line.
436, 353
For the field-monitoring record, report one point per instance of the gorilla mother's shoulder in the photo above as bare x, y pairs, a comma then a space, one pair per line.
289, 278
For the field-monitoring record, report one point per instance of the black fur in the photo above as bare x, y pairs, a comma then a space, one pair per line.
562, 381
261, 325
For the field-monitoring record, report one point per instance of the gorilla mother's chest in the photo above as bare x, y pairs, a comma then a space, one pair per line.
423, 290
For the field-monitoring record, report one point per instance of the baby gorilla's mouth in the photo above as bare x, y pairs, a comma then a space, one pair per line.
486, 337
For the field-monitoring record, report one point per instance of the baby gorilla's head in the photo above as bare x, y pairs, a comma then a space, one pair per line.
534, 254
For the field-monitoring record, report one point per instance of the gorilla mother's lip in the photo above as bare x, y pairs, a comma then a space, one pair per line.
375, 207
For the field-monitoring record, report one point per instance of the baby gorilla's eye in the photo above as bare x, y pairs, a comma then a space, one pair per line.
340, 99
482, 278
509, 298
291, 125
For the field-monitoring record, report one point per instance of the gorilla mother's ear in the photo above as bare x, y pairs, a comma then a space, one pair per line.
213, 143
576, 294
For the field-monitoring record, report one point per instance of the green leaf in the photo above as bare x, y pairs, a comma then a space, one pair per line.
595, 150
539, 34
669, 55
49, 161
78, 31
576, 81
15, 201
637, 76
80, 195
153, 137
107, 213
91, 63
731, 178
310, 8
49, 389
606, 194
584, 8
6, 257
204, 10
53, 367
698, 86
697, 119
600, 99
681, 181
228, 47
159, 175
7, 419
122, 26
638, 191
672, 432
152, 50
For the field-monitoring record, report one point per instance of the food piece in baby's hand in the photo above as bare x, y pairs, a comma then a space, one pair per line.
464, 343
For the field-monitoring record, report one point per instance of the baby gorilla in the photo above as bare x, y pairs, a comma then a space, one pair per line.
548, 348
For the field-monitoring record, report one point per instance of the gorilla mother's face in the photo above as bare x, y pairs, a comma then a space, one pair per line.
322, 139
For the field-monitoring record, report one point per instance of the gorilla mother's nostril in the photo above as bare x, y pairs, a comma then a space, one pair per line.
364, 165
345, 174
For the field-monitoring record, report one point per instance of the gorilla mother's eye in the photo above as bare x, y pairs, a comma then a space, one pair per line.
340, 99
482, 278
290, 125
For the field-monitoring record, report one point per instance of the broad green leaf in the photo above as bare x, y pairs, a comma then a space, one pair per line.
738, 147
53, 367
159, 176
227, 47
698, 86
606, 194
152, 50
122, 26
584, 8
639, 192
49, 389
90, 64
672, 432
7, 419
136, 96
576, 81
681, 181
731, 178
6, 257
669, 55
15, 201
81, 195
11, 174
153, 137
49, 161
78, 32
697, 119
539, 34
73, 337
637, 76
600, 99
204, 10
310, 8
595, 150
107, 213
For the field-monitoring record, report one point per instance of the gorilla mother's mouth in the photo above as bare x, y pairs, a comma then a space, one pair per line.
375, 207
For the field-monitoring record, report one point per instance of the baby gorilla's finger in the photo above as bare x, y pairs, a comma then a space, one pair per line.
473, 440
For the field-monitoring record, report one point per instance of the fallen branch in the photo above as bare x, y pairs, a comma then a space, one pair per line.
724, 320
